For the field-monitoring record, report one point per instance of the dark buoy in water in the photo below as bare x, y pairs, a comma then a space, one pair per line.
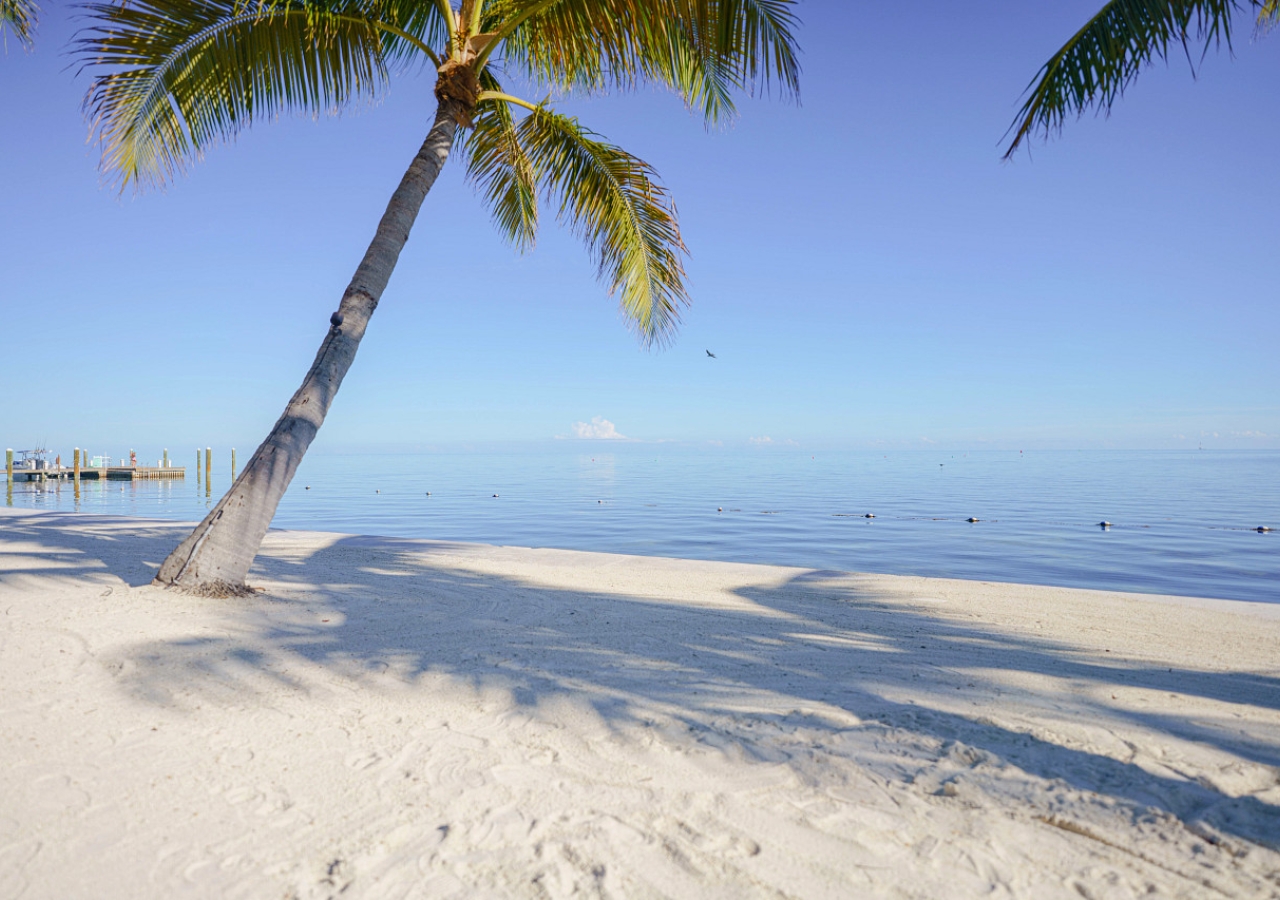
308, 487
428, 493
719, 509
377, 492
1263, 529
869, 516
495, 495
972, 519
1104, 524
599, 501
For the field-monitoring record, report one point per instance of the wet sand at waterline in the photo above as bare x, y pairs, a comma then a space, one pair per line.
404, 718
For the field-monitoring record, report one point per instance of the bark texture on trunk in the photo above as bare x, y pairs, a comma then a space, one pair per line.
215, 558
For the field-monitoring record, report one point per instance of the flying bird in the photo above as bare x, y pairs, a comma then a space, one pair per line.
712, 355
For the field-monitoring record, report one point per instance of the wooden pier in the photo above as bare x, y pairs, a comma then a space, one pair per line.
100, 473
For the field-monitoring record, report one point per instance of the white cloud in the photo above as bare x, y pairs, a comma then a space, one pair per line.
599, 429
761, 440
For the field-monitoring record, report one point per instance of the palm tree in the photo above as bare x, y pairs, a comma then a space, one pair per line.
174, 77
1106, 55
20, 16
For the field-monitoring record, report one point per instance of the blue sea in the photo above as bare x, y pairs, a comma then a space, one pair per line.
1184, 522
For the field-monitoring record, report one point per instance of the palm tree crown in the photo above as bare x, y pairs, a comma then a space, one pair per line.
174, 77
1106, 55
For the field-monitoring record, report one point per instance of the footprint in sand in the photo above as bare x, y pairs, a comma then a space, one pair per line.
362, 761
234, 757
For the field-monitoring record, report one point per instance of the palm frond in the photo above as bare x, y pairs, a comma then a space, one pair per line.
420, 21
181, 75
501, 170
704, 80
756, 37
1268, 14
612, 201
19, 16
573, 44
1106, 55
718, 47
703, 49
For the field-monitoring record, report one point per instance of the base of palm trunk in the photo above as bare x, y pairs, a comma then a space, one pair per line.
214, 560
216, 589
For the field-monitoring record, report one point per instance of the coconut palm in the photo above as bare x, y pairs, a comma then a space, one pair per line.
1105, 56
173, 77
18, 16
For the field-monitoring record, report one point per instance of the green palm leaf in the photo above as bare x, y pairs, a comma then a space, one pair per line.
703, 49
756, 38
20, 17
613, 202
1106, 55
499, 166
185, 74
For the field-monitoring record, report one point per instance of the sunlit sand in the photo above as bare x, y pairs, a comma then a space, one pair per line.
396, 718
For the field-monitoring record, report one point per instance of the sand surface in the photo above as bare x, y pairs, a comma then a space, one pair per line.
395, 718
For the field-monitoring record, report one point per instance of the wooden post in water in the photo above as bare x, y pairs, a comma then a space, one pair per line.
77, 472
233, 463
8, 482
208, 468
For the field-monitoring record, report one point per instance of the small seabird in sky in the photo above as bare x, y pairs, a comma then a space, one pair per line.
712, 355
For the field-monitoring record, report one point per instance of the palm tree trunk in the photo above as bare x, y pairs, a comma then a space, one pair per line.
215, 558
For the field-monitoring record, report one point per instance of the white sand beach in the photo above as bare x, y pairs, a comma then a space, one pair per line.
394, 719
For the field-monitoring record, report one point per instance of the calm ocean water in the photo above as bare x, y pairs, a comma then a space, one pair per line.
1184, 521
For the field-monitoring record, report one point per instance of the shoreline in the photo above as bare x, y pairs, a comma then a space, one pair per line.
400, 717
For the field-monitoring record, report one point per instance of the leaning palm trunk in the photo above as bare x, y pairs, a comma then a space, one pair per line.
215, 558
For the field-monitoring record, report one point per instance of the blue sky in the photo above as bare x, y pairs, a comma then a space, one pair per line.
867, 270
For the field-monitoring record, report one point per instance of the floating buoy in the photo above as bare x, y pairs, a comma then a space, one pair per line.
869, 516
719, 509
972, 519
599, 501
495, 495
1263, 529
308, 487
428, 493
1104, 524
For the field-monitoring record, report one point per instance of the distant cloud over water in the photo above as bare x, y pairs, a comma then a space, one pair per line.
766, 440
598, 429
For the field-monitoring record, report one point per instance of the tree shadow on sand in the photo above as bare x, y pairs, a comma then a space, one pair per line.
818, 652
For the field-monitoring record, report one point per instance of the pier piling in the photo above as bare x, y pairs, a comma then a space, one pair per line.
233, 463
208, 469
